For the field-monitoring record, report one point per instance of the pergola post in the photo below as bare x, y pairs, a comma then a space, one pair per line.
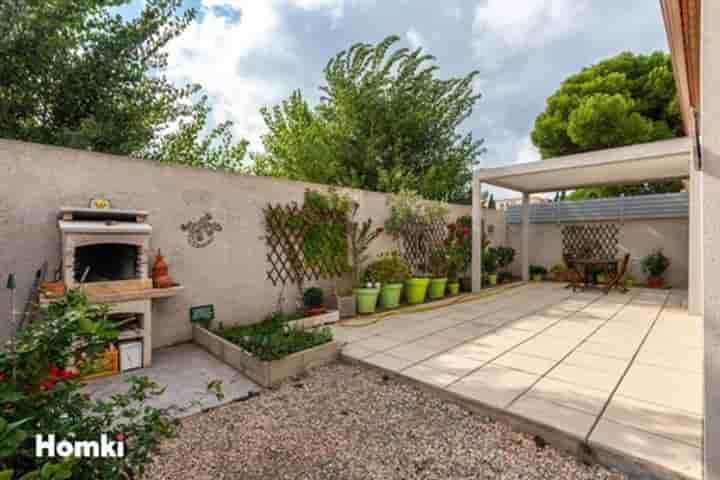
525, 237
710, 198
477, 202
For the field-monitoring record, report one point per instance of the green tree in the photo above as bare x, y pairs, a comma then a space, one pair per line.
624, 100
384, 123
73, 73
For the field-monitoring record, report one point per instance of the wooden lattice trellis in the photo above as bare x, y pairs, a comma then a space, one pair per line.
594, 240
418, 241
286, 227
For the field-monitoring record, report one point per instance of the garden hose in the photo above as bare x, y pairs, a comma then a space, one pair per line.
464, 298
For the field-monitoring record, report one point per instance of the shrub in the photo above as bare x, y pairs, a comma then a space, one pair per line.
41, 395
538, 270
655, 264
272, 339
490, 261
408, 208
390, 268
313, 297
505, 256
438, 264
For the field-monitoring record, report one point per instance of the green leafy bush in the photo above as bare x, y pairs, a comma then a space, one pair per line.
505, 256
538, 270
272, 339
313, 297
41, 395
438, 264
655, 264
390, 268
490, 261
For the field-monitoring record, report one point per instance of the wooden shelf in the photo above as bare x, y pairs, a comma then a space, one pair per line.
128, 296
131, 295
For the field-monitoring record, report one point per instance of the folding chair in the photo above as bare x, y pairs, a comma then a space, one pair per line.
617, 279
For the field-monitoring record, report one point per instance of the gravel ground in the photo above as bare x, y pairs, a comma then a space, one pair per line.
348, 422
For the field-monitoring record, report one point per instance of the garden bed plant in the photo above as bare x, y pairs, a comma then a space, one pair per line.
270, 351
41, 394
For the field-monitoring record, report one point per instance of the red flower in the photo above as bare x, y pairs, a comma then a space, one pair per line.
120, 437
54, 370
2, 377
68, 374
47, 384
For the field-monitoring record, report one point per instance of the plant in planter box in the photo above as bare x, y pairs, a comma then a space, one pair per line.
391, 271
361, 236
654, 266
490, 265
559, 271
537, 272
438, 274
313, 301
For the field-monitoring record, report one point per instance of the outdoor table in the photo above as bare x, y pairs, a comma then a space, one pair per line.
589, 264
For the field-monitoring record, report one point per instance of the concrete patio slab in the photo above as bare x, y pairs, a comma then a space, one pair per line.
586, 368
185, 386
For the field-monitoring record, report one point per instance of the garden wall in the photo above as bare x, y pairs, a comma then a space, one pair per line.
36, 180
637, 237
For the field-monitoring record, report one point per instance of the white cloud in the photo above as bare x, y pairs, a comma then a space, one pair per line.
502, 28
414, 38
527, 152
211, 49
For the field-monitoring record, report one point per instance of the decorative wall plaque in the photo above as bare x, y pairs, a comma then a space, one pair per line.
201, 233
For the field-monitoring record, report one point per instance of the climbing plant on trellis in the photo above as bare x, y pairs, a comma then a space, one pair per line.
594, 240
418, 240
306, 243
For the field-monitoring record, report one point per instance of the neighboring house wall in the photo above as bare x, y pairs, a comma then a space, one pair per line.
637, 237
36, 180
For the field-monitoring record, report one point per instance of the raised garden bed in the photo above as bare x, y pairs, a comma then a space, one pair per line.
269, 352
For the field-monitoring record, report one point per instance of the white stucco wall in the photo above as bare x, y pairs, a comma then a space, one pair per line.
36, 180
636, 237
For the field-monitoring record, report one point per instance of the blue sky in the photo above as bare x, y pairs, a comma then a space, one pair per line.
251, 53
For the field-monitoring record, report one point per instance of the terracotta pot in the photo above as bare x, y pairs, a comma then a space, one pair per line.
53, 288
160, 276
656, 282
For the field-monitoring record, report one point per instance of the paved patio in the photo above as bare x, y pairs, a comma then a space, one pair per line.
621, 374
185, 371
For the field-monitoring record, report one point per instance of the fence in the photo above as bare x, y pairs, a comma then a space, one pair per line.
620, 209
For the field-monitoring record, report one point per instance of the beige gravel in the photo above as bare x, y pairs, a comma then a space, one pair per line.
348, 422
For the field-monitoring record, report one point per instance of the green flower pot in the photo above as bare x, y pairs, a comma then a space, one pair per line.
366, 299
537, 278
629, 283
453, 288
390, 295
437, 288
415, 289
492, 278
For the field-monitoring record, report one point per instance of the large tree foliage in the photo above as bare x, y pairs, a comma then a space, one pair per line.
624, 100
384, 123
73, 73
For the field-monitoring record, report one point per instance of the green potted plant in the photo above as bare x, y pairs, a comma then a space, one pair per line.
459, 253
490, 265
416, 287
559, 272
629, 281
391, 271
654, 266
505, 256
438, 271
361, 236
313, 302
537, 272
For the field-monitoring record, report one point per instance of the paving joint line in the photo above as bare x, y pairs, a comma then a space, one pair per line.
627, 369
524, 341
582, 342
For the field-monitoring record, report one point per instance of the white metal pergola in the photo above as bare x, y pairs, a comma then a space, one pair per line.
664, 160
